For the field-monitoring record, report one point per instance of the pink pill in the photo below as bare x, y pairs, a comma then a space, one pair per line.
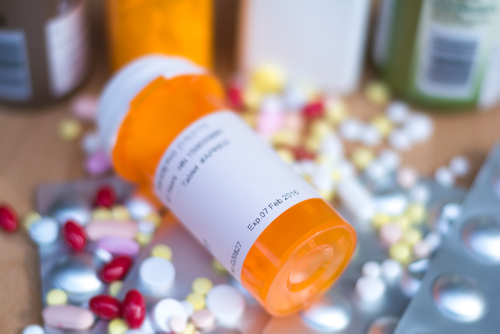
67, 317
109, 228
85, 107
390, 234
119, 246
269, 123
98, 163
294, 122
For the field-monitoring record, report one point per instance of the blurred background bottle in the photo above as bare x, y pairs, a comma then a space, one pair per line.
441, 54
44, 49
172, 27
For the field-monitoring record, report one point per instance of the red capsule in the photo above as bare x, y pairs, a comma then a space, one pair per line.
8, 218
106, 307
116, 269
235, 96
303, 154
134, 309
105, 197
74, 235
313, 109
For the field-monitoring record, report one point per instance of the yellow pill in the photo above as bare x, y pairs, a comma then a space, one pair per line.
380, 219
153, 217
117, 326
400, 252
377, 93
268, 78
197, 301
69, 129
416, 213
102, 213
162, 251
114, 288
143, 239
327, 195
120, 212
218, 267
320, 128
190, 329
362, 157
286, 138
30, 218
202, 285
337, 174
401, 221
336, 111
383, 125
411, 236
250, 119
56, 297
312, 144
252, 99
286, 155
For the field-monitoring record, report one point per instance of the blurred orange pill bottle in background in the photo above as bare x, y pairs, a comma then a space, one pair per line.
165, 124
171, 27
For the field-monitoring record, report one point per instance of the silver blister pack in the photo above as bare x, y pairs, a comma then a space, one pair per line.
459, 293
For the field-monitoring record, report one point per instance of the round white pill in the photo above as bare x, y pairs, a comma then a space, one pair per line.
371, 269
188, 307
433, 240
419, 128
391, 270
421, 250
376, 170
399, 139
398, 112
351, 129
444, 177
203, 319
459, 166
369, 289
407, 177
91, 142
177, 324
226, 303
166, 309
332, 146
44, 231
157, 274
139, 207
273, 104
420, 193
390, 159
33, 329
146, 227
370, 136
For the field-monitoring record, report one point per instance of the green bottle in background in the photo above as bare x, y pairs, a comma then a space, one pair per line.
440, 54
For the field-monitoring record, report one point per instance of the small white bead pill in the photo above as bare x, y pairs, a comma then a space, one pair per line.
332, 146
421, 250
444, 177
371, 269
390, 234
398, 112
203, 319
459, 166
44, 231
420, 193
177, 324
400, 140
351, 129
369, 289
33, 329
390, 159
91, 142
226, 303
188, 307
391, 270
146, 227
370, 136
419, 128
376, 170
407, 177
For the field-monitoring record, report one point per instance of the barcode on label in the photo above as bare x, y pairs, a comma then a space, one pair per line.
14, 67
448, 63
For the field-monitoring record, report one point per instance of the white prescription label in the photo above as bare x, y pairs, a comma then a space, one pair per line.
226, 185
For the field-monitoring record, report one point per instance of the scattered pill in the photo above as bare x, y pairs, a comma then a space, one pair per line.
419, 128
98, 163
56, 297
134, 309
380, 219
105, 197
362, 157
398, 112
400, 252
336, 111
313, 110
107, 228
164, 310
74, 235
157, 274
33, 329
459, 166
419, 193
119, 246
140, 208
91, 143
251, 98
383, 125
268, 78
114, 288
44, 231
143, 239
218, 267
202, 285
177, 324
203, 319
411, 236
8, 218
444, 177
69, 129
190, 329
351, 129
421, 250
390, 159
416, 213
371, 136
67, 317
226, 303
116, 269
371, 269
102, 213
369, 289
433, 240
85, 107
117, 326
188, 307
390, 234
197, 300
30, 218
377, 93
162, 251
120, 212
391, 270
105, 307
407, 177
400, 140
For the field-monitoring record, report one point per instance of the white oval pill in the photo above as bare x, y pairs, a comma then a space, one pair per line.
391, 270
33, 329
369, 289
164, 310
44, 231
371, 269
157, 274
67, 317
226, 303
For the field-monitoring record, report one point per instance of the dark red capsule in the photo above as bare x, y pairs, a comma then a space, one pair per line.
74, 235
134, 309
8, 218
105, 197
303, 154
313, 109
235, 96
106, 307
116, 269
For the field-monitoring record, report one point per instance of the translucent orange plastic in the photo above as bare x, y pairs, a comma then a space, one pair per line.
297, 257
172, 27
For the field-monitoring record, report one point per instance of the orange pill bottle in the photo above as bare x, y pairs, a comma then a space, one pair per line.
172, 27
166, 126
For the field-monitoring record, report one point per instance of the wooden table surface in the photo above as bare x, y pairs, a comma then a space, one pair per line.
31, 154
